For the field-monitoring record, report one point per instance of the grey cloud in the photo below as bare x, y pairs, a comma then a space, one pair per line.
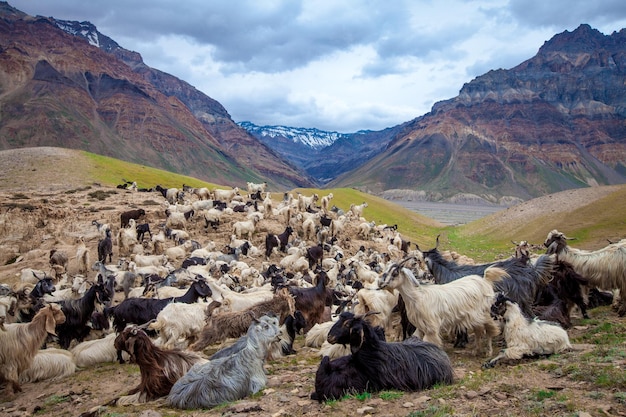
567, 13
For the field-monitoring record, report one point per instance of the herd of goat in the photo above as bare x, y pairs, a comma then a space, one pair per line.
378, 310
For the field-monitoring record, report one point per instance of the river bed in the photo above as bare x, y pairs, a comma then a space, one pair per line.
448, 213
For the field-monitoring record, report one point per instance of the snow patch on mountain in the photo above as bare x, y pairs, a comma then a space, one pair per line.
311, 137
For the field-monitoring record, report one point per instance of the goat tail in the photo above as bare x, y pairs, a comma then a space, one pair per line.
494, 274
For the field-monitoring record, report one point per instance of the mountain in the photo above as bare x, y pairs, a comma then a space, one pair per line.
321, 154
65, 84
556, 121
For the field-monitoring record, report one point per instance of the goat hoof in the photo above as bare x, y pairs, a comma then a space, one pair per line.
488, 365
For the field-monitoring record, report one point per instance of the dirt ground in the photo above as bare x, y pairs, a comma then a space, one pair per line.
32, 222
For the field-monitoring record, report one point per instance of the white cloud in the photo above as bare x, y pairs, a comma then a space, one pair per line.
345, 66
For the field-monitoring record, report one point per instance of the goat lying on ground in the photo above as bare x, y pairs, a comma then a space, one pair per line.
376, 365
229, 378
160, 368
526, 337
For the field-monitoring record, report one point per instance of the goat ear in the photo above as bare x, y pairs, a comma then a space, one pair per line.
51, 322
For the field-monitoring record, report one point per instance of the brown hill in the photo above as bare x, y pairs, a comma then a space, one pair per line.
59, 90
554, 122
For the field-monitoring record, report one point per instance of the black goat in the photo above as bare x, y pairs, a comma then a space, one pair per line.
293, 325
195, 260
281, 241
78, 314
376, 365
142, 229
105, 247
564, 290
131, 214
314, 255
142, 310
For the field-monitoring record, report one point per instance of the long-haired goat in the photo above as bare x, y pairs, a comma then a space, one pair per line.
49, 364
160, 368
461, 305
20, 342
78, 314
605, 268
526, 337
312, 301
221, 326
375, 365
229, 378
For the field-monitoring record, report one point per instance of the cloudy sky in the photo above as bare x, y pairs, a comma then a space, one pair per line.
340, 65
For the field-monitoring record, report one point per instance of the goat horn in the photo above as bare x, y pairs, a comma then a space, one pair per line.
437, 242
146, 324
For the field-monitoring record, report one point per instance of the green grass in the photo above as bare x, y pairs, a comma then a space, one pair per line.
111, 171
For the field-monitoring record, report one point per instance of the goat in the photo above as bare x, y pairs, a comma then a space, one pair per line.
92, 352
525, 336
142, 229
19, 343
246, 227
463, 304
58, 259
225, 195
281, 241
105, 247
130, 214
325, 201
82, 255
311, 301
229, 378
101, 227
160, 368
235, 323
78, 313
356, 210
179, 323
375, 365
605, 268
49, 364
555, 300
142, 310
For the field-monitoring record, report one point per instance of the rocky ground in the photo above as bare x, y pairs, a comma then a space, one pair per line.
33, 221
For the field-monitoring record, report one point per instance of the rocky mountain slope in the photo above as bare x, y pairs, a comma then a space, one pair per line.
556, 121
323, 155
65, 84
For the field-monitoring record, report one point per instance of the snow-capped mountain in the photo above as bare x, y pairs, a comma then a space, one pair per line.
311, 137
88, 31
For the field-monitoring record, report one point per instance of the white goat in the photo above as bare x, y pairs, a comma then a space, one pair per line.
49, 364
357, 209
463, 304
93, 352
225, 195
178, 324
526, 337
246, 227
82, 256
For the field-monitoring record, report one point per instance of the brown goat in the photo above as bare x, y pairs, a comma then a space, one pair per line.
236, 323
312, 301
160, 368
20, 342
